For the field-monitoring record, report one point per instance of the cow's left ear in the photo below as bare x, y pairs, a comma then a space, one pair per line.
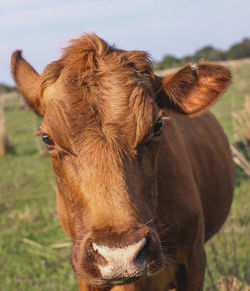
27, 81
193, 89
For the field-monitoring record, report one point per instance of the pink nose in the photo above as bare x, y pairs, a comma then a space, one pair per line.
122, 262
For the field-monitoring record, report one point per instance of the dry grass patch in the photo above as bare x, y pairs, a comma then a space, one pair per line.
241, 151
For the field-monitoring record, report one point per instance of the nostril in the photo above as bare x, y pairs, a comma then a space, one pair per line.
92, 248
141, 253
95, 247
93, 253
89, 250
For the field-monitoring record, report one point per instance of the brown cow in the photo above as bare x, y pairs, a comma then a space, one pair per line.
138, 200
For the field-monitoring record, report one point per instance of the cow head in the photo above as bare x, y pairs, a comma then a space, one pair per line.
103, 116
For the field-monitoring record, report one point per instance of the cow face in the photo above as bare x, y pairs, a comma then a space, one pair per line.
102, 124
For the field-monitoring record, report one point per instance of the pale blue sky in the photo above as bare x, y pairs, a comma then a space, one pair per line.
179, 27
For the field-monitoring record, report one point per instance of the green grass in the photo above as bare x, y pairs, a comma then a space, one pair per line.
28, 209
233, 99
228, 252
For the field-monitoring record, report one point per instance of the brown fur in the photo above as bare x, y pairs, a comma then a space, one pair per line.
117, 182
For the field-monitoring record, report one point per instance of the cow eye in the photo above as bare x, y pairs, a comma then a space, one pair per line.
46, 139
157, 127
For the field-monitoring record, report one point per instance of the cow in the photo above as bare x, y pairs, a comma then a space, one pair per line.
144, 172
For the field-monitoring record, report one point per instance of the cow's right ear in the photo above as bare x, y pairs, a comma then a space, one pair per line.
192, 89
27, 81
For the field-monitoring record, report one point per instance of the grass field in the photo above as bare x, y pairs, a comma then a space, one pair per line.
32, 256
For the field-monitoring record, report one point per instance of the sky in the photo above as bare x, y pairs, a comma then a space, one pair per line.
178, 27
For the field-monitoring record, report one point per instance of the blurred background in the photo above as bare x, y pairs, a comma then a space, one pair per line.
34, 251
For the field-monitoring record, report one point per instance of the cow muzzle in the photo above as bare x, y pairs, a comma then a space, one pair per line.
120, 265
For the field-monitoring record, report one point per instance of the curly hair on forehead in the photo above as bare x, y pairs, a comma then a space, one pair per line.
89, 58
106, 87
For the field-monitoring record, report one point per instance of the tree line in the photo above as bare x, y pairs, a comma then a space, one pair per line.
5, 88
237, 51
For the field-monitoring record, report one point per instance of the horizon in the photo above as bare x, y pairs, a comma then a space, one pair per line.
40, 29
